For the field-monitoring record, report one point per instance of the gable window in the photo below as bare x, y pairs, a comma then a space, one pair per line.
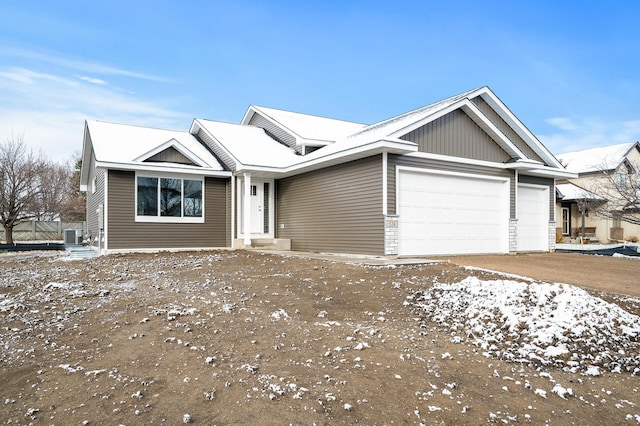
169, 199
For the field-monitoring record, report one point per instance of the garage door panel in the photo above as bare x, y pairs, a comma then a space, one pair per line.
452, 214
533, 218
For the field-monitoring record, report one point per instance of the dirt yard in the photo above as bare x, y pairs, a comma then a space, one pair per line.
251, 338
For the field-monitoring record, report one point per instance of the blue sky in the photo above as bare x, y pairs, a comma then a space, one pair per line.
568, 70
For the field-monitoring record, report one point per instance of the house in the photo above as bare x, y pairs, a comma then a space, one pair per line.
573, 205
459, 176
592, 166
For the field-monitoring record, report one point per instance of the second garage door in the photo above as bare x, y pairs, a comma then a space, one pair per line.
533, 218
446, 213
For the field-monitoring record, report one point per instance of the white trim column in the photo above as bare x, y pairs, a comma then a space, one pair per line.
246, 210
384, 184
234, 188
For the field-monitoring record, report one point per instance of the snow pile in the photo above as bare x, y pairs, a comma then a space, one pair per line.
536, 323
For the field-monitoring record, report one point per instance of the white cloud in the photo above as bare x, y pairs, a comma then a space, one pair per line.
573, 134
78, 64
93, 80
50, 110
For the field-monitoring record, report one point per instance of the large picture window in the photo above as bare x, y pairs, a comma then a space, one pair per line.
168, 199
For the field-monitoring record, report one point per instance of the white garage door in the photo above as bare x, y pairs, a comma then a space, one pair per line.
443, 213
533, 218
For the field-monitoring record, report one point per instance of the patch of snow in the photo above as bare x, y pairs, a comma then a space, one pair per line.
561, 391
280, 314
541, 392
592, 370
535, 322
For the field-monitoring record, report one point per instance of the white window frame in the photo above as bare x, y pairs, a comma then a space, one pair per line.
168, 219
568, 223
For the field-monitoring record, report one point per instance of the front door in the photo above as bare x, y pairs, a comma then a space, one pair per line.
259, 197
257, 206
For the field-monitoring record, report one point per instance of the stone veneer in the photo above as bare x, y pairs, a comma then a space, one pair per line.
513, 235
391, 235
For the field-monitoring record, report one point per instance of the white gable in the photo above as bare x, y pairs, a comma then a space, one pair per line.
125, 144
248, 145
306, 127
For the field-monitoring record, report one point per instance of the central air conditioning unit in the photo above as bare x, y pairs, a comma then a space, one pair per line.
73, 237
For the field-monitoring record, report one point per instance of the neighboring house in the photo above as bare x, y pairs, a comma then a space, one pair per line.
591, 165
573, 205
459, 176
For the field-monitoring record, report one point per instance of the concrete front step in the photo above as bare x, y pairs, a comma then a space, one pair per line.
264, 244
81, 252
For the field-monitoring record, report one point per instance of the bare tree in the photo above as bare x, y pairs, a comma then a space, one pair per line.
75, 204
621, 190
19, 184
53, 183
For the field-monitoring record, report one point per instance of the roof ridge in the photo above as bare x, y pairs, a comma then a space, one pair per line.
432, 105
304, 114
88, 120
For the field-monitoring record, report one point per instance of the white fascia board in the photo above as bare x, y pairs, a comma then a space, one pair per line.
528, 168
195, 126
518, 126
173, 143
246, 118
481, 120
313, 142
397, 146
459, 160
551, 173
256, 110
476, 115
163, 169
541, 170
429, 118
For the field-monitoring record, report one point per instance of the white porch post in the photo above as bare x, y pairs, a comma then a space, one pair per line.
246, 209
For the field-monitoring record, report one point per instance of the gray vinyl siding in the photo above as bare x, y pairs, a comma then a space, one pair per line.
274, 131
391, 184
222, 155
125, 233
427, 164
456, 134
94, 199
535, 180
228, 215
337, 209
493, 116
170, 155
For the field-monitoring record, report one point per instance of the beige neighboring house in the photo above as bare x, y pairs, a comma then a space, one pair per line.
591, 165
